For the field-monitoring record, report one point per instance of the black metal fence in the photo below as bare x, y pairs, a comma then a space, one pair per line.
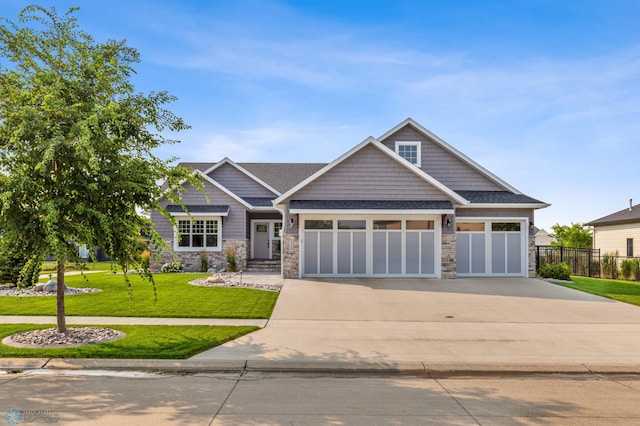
583, 262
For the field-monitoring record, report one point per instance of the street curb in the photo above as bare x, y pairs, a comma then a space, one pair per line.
347, 368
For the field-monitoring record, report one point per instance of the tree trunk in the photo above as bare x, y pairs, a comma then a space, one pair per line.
62, 322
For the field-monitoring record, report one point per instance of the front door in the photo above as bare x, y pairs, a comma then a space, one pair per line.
261, 248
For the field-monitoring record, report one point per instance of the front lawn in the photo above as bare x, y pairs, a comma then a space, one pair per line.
52, 267
624, 291
176, 298
141, 341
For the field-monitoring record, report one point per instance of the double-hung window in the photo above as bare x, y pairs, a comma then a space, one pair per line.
199, 233
410, 151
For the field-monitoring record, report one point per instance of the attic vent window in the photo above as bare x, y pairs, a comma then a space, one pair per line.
410, 151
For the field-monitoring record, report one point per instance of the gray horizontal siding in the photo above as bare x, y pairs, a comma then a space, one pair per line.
239, 183
441, 164
233, 225
369, 174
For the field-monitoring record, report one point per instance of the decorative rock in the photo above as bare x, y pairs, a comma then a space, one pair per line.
215, 279
51, 286
51, 338
37, 290
235, 280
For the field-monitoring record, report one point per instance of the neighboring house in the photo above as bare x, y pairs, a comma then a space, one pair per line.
618, 232
406, 204
542, 237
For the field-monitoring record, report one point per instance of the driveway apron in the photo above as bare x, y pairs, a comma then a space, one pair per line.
485, 320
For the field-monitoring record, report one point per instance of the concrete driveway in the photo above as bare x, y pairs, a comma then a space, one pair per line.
480, 321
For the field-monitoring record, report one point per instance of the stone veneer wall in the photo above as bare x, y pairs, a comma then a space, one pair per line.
449, 256
217, 259
291, 256
532, 256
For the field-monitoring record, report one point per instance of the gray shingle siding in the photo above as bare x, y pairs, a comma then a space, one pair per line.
441, 164
369, 174
233, 225
238, 182
370, 205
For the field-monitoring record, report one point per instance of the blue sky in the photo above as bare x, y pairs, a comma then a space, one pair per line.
545, 94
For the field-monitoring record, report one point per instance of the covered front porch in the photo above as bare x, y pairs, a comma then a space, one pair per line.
264, 232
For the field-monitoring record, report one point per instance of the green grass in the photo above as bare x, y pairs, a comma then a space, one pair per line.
624, 291
176, 298
143, 342
51, 267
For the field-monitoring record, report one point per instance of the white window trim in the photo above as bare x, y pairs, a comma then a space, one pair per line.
176, 234
417, 144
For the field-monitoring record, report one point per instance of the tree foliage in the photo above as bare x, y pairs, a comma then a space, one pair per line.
76, 144
576, 236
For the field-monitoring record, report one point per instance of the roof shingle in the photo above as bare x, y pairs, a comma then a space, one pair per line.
628, 215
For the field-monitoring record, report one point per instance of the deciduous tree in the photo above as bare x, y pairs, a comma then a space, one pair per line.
576, 235
77, 160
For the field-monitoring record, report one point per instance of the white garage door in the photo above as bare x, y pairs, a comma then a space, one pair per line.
486, 248
369, 246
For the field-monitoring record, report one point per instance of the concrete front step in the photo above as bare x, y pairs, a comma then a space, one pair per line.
263, 266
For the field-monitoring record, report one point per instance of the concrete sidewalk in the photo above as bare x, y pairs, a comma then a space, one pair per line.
77, 320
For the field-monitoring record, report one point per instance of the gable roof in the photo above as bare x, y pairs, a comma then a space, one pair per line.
628, 215
371, 141
227, 160
444, 145
222, 188
281, 177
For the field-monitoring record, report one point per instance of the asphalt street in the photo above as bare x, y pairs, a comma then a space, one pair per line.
110, 398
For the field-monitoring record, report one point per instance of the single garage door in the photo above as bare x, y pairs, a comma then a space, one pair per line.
369, 247
490, 248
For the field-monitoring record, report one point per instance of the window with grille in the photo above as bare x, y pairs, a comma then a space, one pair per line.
203, 234
410, 151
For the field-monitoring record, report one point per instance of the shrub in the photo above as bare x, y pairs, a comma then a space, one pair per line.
609, 266
232, 266
626, 268
204, 261
172, 267
16, 267
556, 271
636, 268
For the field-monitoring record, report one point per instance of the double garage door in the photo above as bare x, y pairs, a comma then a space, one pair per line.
370, 246
490, 248
409, 246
